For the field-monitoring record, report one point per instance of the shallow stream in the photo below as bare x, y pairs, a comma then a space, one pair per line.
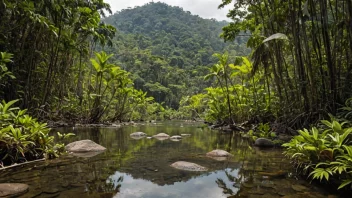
141, 168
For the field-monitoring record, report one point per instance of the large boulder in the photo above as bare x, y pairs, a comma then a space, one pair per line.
12, 189
84, 146
263, 142
188, 166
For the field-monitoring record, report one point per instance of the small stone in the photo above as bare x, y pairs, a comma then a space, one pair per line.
12, 189
116, 125
50, 190
138, 134
257, 191
161, 135
248, 185
175, 140
284, 191
176, 137
299, 188
279, 173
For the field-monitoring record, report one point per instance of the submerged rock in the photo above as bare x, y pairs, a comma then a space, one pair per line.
263, 142
299, 188
188, 166
87, 154
138, 134
12, 189
84, 146
176, 137
279, 173
175, 140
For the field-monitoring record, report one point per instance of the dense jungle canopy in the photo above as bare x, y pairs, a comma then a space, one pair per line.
288, 61
277, 64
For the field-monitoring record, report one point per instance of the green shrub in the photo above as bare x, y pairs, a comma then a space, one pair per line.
23, 138
324, 152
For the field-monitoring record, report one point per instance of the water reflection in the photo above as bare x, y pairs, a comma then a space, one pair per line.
141, 168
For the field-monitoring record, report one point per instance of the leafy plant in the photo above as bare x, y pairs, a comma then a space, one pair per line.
23, 138
324, 152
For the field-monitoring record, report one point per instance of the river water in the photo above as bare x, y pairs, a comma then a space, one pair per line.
141, 168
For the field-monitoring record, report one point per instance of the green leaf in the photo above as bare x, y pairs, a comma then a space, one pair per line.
8, 105
336, 126
277, 36
327, 123
345, 183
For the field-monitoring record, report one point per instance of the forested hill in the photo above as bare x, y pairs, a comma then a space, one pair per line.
172, 26
167, 49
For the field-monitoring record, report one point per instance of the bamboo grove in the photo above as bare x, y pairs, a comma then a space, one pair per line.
303, 47
46, 49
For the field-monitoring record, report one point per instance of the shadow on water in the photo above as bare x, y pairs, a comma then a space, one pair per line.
141, 168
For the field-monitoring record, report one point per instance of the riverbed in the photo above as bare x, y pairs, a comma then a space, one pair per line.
141, 167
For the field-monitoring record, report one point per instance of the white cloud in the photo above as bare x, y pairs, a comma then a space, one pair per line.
203, 8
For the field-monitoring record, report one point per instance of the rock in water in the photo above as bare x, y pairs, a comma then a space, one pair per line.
161, 136
138, 134
263, 142
84, 146
12, 189
188, 166
177, 137
299, 188
219, 153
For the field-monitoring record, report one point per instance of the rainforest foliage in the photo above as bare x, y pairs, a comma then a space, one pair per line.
48, 62
299, 72
65, 62
300, 68
168, 50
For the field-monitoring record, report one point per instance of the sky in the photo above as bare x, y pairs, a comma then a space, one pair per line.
204, 8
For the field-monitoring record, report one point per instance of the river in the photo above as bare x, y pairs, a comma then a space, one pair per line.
141, 167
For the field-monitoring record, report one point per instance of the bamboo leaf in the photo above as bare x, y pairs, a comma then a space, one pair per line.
277, 36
